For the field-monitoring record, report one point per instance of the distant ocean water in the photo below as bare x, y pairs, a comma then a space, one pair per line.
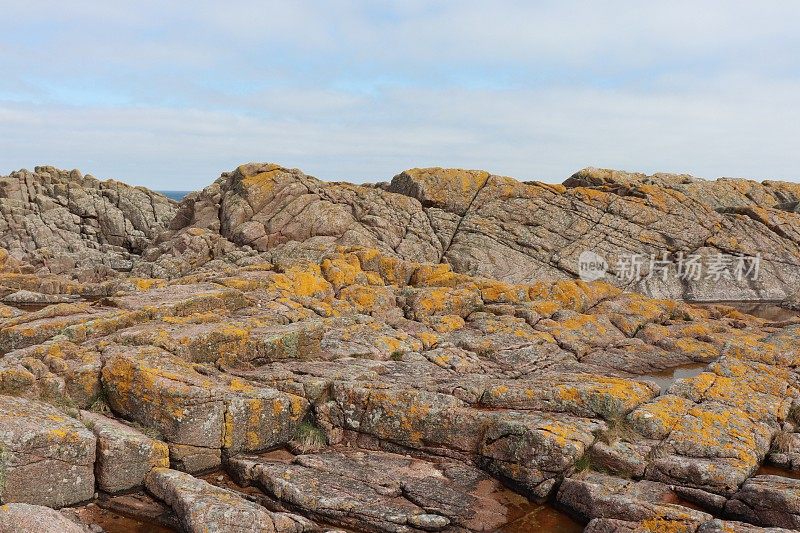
175, 195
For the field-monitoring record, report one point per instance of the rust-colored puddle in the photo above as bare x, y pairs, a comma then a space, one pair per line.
545, 518
666, 378
771, 470
114, 522
516, 513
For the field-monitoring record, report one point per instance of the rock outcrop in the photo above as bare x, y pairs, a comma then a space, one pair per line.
63, 222
293, 356
494, 226
407, 392
205, 508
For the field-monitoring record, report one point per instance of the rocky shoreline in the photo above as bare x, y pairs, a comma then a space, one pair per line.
280, 354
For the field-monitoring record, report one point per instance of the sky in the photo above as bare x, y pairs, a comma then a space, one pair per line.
170, 94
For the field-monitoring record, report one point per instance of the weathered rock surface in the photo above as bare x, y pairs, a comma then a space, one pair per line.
63, 222
409, 387
380, 491
47, 457
19, 517
124, 455
204, 508
498, 227
768, 501
609, 525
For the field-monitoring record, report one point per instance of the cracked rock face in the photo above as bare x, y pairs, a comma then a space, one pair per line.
768, 501
47, 456
380, 491
63, 222
409, 392
407, 357
498, 227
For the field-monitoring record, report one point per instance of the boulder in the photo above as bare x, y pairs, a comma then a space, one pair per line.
47, 457
124, 454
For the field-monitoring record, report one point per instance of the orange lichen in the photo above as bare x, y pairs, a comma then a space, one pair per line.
447, 323
303, 280
146, 284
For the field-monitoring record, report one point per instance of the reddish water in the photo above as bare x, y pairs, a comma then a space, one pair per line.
113, 522
770, 470
530, 517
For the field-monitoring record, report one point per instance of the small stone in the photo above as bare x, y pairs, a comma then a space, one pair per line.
429, 522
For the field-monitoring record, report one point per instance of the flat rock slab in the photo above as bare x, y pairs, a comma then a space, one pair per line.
183, 300
47, 457
530, 449
204, 508
594, 495
768, 501
377, 491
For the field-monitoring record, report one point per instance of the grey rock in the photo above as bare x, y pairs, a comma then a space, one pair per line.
62, 222
47, 457
768, 501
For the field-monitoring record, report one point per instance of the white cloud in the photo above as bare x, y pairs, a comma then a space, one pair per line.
169, 95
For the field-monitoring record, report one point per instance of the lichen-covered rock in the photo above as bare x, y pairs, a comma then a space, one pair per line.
531, 450
257, 205
182, 300
124, 454
46, 457
59, 372
191, 405
160, 391
204, 508
493, 226
408, 383
452, 190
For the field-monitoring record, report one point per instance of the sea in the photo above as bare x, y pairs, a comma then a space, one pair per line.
175, 195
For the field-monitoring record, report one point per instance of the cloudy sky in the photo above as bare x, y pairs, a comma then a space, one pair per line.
169, 94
